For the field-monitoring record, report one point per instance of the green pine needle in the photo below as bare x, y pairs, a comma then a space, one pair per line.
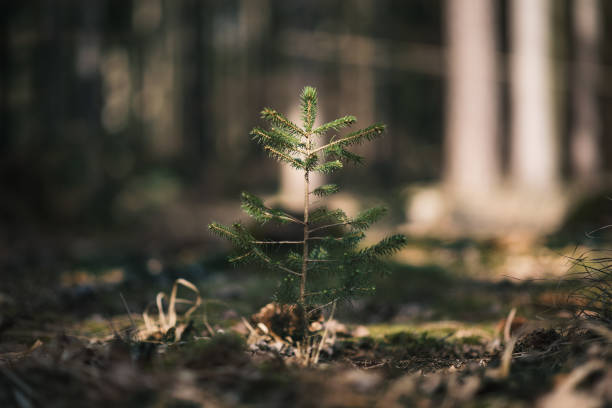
336, 124
284, 157
223, 231
387, 246
254, 206
368, 217
324, 215
329, 167
367, 134
281, 121
326, 190
336, 151
277, 139
308, 106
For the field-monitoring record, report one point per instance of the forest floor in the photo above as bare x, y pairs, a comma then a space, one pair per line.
458, 323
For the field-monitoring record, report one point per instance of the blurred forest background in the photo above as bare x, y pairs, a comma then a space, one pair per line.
133, 115
124, 131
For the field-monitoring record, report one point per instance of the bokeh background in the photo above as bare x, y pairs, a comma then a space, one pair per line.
125, 122
124, 131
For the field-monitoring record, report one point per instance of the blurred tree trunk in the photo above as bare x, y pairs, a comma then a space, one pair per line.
585, 133
534, 158
238, 39
5, 141
194, 35
472, 147
356, 74
159, 96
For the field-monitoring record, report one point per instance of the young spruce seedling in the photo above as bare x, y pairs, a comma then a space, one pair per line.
321, 268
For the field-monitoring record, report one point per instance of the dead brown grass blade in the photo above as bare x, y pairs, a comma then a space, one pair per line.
168, 319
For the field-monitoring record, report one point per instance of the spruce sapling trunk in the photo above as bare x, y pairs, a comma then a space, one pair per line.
301, 300
331, 267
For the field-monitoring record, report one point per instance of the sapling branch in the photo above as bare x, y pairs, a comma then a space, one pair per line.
278, 242
282, 268
279, 266
316, 309
279, 119
284, 157
337, 224
356, 137
323, 238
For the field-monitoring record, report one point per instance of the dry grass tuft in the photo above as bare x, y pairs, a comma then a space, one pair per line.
592, 296
168, 322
